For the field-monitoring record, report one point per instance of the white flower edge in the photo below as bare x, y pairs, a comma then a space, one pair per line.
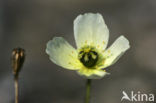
62, 53
90, 29
115, 51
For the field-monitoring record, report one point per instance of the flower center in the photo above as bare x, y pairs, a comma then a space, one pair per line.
88, 57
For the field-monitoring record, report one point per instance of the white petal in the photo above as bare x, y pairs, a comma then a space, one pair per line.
98, 75
92, 74
116, 50
90, 29
62, 53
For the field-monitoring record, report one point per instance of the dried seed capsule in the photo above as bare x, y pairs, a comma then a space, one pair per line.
18, 57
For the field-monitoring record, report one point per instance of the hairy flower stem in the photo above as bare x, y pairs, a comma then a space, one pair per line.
16, 88
88, 89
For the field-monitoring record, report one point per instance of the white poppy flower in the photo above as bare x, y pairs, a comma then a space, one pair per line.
91, 56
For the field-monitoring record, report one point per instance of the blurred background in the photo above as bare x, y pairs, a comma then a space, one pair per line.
31, 23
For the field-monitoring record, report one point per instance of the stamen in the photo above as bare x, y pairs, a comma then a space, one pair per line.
86, 41
98, 46
109, 51
103, 42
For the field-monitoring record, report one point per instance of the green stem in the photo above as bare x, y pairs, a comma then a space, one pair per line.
88, 89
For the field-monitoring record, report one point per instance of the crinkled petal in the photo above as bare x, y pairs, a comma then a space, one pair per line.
62, 53
92, 74
115, 51
90, 29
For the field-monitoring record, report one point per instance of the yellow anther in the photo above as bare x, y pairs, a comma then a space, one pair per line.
109, 51
98, 46
103, 62
86, 41
103, 42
